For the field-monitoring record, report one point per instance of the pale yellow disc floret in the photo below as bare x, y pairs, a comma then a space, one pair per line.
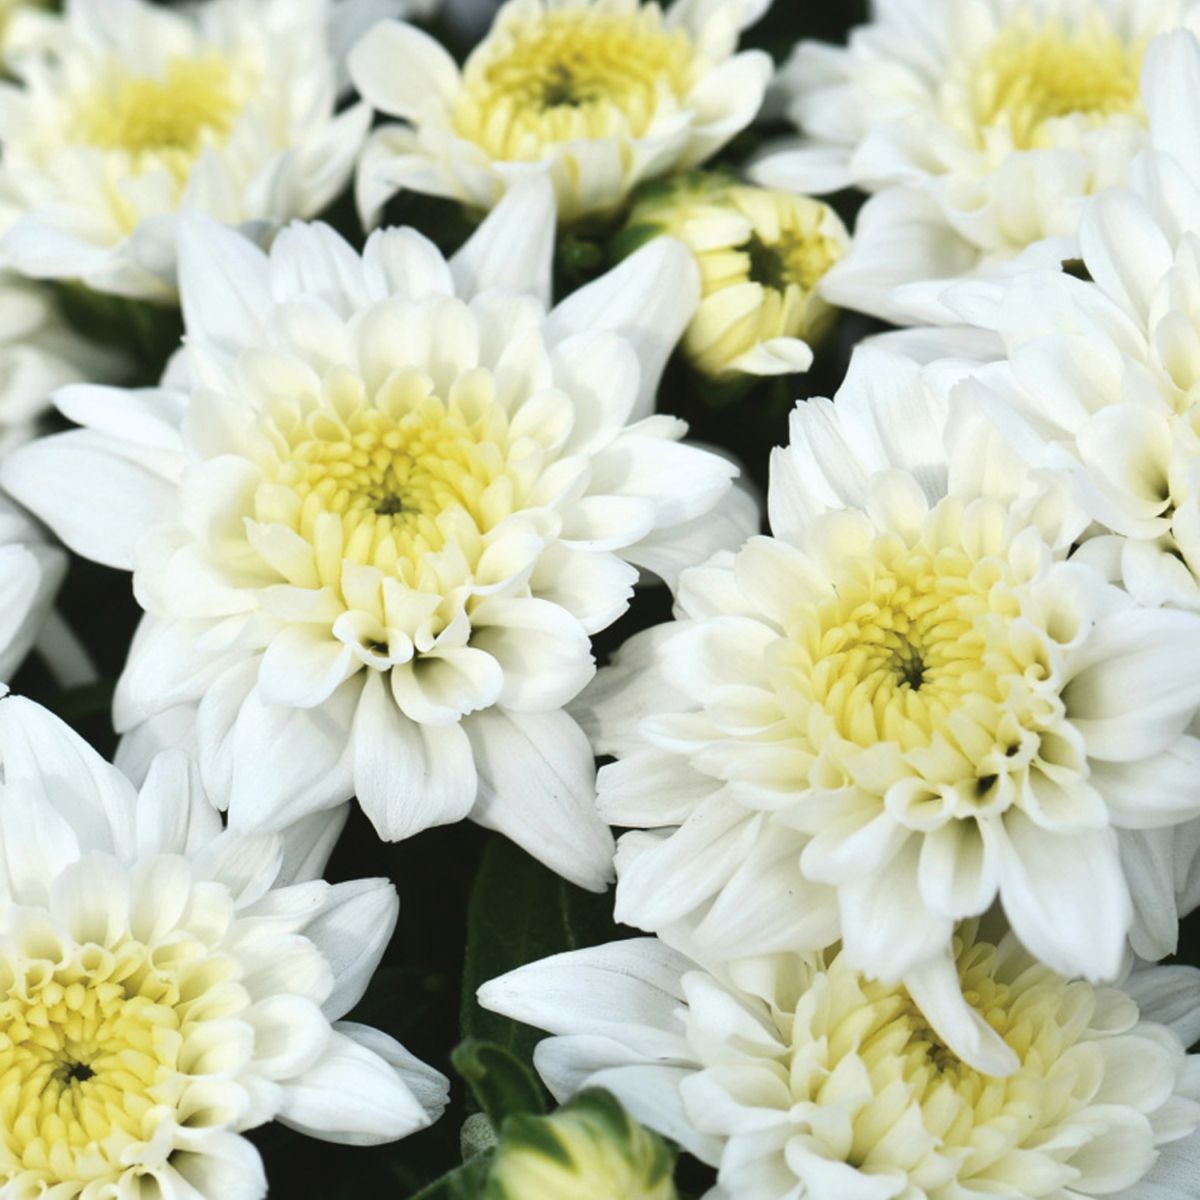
934, 644
162, 120
1038, 71
395, 487
573, 74
390, 469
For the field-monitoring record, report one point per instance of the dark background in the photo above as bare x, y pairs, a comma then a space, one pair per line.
521, 912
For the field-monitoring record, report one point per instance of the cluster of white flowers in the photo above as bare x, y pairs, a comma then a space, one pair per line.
908, 788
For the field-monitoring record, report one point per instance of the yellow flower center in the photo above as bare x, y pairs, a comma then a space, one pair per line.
1038, 71
394, 481
976, 1119
571, 75
163, 120
91, 1051
912, 644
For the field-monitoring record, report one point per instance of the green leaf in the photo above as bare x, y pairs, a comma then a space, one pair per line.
521, 912
464, 1183
502, 1083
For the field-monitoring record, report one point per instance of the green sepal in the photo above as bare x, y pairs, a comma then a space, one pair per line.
463, 1183
501, 1082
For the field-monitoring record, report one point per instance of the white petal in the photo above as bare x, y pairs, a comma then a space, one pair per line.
629, 992
1065, 896
537, 787
351, 1095
514, 246
98, 493
430, 1088
227, 1166
174, 816
222, 287
408, 777
1135, 683
400, 70
937, 990
649, 298
43, 757
289, 762
542, 649
352, 931
888, 930
1163, 790
1170, 996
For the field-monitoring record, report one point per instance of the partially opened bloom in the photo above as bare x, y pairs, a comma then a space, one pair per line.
602, 94
906, 700
166, 985
981, 126
762, 255
126, 113
800, 1079
376, 524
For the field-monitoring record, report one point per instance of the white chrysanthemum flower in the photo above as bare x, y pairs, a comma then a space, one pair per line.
982, 125
377, 526
602, 94
761, 256
30, 575
166, 985
127, 113
907, 695
799, 1079
1102, 374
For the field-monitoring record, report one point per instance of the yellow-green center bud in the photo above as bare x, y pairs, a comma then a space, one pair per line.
761, 255
591, 1149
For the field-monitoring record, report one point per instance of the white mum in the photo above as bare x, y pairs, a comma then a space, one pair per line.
1103, 374
376, 528
165, 985
602, 94
799, 1079
981, 124
126, 113
906, 695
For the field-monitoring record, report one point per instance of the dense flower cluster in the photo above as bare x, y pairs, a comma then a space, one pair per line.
358, 347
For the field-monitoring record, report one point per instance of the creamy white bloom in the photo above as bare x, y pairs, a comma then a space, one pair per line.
1102, 375
982, 125
166, 985
906, 700
126, 113
601, 94
30, 574
376, 524
799, 1079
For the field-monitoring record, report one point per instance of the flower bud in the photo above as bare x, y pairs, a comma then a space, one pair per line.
591, 1149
